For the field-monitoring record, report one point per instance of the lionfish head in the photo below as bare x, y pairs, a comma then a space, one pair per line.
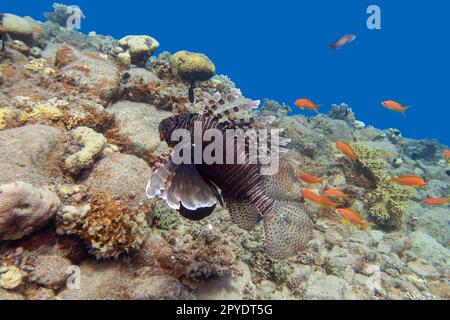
169, 125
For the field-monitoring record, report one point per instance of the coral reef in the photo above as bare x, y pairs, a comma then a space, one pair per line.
24, 209
93, 144
388, 203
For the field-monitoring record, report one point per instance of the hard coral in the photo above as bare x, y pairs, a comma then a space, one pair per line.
93, 144
192, 66
24, 208
112, 228
139, 48
388, 203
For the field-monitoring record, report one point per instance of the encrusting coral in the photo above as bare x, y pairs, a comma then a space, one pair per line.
24, 208
388, 203
93, 144
164, 217
108, 226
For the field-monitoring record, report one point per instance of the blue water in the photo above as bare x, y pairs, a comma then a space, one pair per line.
279, 49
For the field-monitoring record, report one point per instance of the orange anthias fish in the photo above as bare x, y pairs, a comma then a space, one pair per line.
319, 199
436, 201
354, 217
346, 149
447, 154
324, 201
309, 179
336, 194
309, 195
394, 106
410, 181
306, 104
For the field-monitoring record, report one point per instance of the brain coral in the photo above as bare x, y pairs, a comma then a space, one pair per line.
388, 203
93, 144
24, 208
192, 66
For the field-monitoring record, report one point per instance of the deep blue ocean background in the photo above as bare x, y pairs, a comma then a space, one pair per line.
279, 50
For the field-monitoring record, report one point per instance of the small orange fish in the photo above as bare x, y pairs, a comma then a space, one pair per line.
447, 154
306, 104
346, 149
336, 194
354, 217
309, 195
327, 202
436, 201
394, 106
410, 181
309, 179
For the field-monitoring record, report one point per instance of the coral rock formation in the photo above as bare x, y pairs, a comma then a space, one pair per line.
24, 209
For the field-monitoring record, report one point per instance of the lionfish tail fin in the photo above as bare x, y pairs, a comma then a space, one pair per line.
284, 184
242, 213
288, 229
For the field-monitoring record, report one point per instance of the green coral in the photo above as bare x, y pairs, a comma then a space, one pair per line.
164, 217
388, 203
192, 66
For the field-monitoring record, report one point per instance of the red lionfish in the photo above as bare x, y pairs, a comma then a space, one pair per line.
249, 196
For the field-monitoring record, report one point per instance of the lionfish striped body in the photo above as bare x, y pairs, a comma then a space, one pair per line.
192, 189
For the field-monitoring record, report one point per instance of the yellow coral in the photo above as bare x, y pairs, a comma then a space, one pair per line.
388, 203
6, 115
93, 144
36, 65
49, 110
192, 66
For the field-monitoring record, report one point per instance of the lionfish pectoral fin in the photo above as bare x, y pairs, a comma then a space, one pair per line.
189, 193
197, 214
287, 229
159, 180
242, 213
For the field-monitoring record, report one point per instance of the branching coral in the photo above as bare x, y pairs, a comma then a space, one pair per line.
49, 110
93, 144
388, 203
24, 208
108, 226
